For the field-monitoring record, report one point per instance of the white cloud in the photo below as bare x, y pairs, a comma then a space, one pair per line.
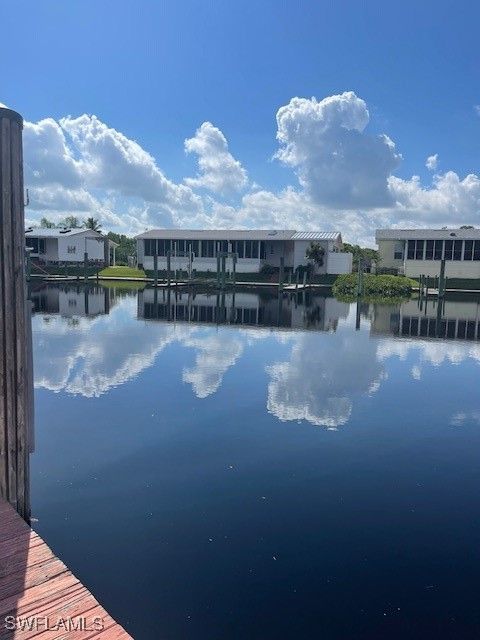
48, 158
82, 166
449, 200
432, 162
477, 109
218, 169
338, 164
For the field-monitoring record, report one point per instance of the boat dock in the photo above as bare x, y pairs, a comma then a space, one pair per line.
39, 596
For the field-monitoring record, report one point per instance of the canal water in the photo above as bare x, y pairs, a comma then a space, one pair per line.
257, 467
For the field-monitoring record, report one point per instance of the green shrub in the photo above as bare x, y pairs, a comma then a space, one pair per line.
384, 286
268, 270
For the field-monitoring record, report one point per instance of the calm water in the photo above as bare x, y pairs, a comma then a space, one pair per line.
264, 470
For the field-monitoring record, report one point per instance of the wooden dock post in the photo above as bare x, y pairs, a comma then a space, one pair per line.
16, 379
169, 255
441, 280
155, 268
281, 272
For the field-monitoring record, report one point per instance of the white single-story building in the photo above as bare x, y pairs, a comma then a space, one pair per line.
254, 249
416, 252
67, 245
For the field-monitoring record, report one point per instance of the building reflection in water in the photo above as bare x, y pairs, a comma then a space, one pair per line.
452, 320
69, 300
262, 309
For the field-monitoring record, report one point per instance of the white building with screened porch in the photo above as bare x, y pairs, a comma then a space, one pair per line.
416, 252
254, 249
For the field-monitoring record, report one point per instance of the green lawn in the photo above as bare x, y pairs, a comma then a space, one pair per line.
122, 272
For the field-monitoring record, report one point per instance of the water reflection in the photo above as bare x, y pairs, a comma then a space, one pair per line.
176, 419
263, 309
89, 340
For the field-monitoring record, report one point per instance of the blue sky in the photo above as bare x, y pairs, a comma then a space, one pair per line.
155, 71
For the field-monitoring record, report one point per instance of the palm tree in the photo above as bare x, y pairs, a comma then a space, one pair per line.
93, 224
315, 253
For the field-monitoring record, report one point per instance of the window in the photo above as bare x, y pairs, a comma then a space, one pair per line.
448, 249
398, 250
248, 249
254, 248
429, 250
457, 249
438, 250
149, 247
468, 250
272, 249
419, 249
71, 248
240, 248
263, 252
476, 250
37, 245
193, 246
208, 248
411, 250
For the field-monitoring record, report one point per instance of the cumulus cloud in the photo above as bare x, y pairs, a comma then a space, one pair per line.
432, 162
81, 165
337, 163
218, 170
346, 177
450, 200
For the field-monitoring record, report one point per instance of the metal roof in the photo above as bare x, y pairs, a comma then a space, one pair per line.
317, 235
237, 234
40, 232
427, 234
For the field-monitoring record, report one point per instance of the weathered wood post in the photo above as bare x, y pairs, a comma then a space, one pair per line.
16, 378
441, 280
224, 266
169, 255
155, 268
106, 252
281, 272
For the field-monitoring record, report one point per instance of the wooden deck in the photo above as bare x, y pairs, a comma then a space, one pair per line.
39, 596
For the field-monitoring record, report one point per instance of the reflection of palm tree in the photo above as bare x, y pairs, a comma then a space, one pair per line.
313, 316
93, 224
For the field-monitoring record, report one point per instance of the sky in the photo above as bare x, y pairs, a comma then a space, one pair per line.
300, 114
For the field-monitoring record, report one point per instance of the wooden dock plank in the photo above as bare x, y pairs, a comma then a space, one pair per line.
39, 596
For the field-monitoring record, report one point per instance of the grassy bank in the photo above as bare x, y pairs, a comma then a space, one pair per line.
122, 272
383, 286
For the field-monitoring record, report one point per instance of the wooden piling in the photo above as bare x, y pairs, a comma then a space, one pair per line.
169, 268
155, 268
16, 382
281, 272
